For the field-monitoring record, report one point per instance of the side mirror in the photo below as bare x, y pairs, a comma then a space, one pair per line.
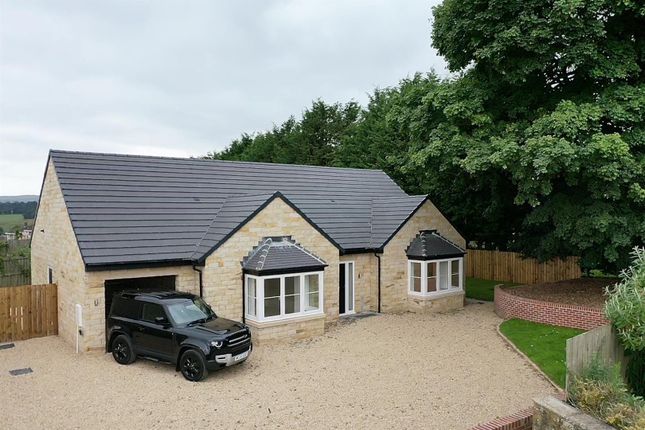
161, 320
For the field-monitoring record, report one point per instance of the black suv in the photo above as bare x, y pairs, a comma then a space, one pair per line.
177, 328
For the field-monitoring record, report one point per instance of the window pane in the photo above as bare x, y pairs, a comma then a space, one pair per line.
432, 277
292, 285
311, 283
292, 304
272, 287
311, 301
251, 294
271, 307
416, 285
454, 270
443, 275
152, 311
416, 269
311, 292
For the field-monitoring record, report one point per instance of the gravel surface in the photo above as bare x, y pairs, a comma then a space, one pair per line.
447, 371
582, 292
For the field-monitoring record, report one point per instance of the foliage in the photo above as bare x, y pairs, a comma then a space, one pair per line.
600, 391
625, 308
625, 305
26, 209
535, 145
483, 289
545, 345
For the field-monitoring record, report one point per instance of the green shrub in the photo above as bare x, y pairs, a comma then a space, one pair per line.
625, 308
600, 391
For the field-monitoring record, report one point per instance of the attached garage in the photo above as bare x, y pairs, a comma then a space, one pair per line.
149, 284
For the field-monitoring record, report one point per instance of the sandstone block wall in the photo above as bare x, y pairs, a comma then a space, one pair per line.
394, 269
53, 244
223, 286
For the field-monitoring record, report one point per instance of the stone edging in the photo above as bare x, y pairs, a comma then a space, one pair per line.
535, 367
509, 305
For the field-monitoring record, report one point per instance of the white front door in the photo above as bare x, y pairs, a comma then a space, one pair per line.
346, 288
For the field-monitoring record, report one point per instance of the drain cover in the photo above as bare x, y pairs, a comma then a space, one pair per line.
7, 345
16, 372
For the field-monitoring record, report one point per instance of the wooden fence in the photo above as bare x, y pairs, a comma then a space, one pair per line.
600, 342
15, 271
512, 267
28, 311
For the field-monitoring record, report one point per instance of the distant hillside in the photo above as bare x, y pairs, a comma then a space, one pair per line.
22, 198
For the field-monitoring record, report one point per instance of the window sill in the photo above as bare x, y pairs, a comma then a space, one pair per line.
433, 296
286, 320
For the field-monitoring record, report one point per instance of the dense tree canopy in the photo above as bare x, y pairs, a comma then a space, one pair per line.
536, 145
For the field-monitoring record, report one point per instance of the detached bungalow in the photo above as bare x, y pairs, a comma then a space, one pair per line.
285, 248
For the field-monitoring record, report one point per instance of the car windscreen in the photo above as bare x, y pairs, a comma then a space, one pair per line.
187, 311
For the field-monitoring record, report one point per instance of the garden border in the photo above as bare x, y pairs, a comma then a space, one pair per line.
509, 305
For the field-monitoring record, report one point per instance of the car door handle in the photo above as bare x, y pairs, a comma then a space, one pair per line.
140, 328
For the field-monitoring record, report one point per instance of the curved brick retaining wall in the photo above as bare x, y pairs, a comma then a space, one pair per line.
508, 305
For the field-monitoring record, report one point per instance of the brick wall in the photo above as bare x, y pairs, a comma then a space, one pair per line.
394, 262
508, 305
522, 420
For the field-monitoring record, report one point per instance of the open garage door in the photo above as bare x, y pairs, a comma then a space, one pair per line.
155, 283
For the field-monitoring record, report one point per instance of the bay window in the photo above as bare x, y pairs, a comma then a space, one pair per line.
278, 297
434, 277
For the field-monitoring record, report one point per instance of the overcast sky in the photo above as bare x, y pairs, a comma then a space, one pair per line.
181, 78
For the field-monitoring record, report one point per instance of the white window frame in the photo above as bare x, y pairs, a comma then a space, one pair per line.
347, 298
424, 278
259, 297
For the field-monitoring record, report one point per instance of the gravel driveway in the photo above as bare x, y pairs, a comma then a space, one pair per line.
448, 371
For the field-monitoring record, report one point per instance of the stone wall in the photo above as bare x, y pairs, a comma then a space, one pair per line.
54, 245
553, 414
223, 269
294, 329
509, 305
394, 262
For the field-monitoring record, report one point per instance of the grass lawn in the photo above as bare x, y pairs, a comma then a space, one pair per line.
482, 289
10, 222
544, 344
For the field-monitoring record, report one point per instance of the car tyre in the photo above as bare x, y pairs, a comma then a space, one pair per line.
193, 365
122, 350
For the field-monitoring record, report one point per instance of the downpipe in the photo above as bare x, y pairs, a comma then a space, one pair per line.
378, 277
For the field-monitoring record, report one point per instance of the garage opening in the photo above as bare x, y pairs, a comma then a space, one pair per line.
150, 284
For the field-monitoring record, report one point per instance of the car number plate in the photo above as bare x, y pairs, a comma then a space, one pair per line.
241, 356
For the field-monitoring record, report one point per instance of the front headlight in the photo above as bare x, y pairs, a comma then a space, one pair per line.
217, 343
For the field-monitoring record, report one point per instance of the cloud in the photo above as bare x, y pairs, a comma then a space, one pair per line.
184, 78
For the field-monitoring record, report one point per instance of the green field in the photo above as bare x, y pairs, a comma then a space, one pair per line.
545, 345
10, 222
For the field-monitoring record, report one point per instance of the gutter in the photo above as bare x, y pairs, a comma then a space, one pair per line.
378, 301
201, 283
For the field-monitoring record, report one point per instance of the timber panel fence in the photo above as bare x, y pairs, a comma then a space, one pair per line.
15, 271
512, 267
28, 311
600, 342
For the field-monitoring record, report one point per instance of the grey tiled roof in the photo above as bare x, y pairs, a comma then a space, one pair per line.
429, 245
128, 209
280, 254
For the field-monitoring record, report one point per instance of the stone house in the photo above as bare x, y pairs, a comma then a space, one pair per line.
287, 249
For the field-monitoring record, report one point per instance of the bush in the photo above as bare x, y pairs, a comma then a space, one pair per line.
625, 308
600, 391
